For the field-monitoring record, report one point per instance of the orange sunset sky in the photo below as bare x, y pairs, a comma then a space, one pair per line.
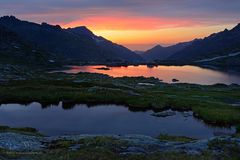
137, 24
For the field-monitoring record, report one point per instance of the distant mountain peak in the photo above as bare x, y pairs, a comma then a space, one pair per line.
9, 18
225, 30
159, 46
237, 27
51, 26
82, 30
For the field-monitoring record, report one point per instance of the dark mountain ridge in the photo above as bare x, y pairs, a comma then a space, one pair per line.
80, 45
217, 44
14, 51
74, 44
162, 53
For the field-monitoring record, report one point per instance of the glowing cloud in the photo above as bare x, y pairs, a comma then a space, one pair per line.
129, 23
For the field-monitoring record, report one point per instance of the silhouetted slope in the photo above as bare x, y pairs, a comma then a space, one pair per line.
68, 43
217, 44
119, 51
162, 53
15, 51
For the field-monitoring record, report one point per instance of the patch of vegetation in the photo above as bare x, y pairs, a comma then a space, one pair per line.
90, 142
24, 130
229, 149
103, 141
61, 144
238, 129
105, 154
165, 137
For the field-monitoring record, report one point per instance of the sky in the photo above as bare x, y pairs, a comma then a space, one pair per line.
137, 24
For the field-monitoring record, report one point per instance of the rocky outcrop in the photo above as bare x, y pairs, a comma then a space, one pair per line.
127, 144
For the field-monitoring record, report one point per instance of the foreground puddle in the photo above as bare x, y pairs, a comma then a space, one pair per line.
105, 119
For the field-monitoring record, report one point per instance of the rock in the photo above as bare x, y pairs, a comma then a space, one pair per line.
75, 147
164, 114
51, 61
175, 80
134, 150
237, 104
146, 84
136, 144
187, 114
20, 142
222, 134
103, 68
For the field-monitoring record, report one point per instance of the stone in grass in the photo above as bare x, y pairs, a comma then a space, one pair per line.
164, 114
103, 68
175, 80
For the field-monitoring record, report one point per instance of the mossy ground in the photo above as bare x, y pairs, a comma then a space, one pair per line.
24, 130
165, 137
101, 152
109, 148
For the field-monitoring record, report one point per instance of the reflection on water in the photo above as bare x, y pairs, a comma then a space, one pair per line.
186, 74
103, 119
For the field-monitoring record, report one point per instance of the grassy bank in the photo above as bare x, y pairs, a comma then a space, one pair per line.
25, 130
216, 104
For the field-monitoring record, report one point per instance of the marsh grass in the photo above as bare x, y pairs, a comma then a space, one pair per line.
165, 137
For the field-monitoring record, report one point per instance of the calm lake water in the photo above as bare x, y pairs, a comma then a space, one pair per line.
103, 119
185, 74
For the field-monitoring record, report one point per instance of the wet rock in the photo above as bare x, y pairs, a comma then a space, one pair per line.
134, 150
222, 134
75, 147
164, 114
187, 114
130, 144
20, 142
146, 84
236, 104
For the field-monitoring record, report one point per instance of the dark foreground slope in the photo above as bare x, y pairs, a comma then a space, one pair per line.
77, 44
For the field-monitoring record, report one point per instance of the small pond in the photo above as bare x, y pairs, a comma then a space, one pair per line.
104, 119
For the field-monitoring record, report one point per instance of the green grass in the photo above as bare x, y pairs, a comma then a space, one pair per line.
229, 149
24, 130
106, 154
165, 137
